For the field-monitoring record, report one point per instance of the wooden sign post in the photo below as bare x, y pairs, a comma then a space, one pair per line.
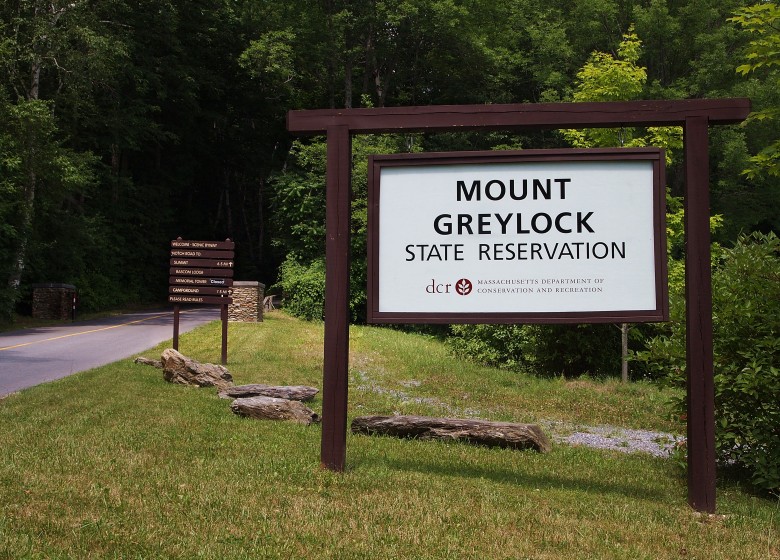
201, 272
694, 115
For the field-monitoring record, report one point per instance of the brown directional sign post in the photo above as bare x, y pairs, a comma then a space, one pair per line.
201, 272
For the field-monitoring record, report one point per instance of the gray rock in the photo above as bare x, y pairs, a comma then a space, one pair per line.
178, 368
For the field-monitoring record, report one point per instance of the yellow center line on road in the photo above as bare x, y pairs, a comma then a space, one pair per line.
87, 332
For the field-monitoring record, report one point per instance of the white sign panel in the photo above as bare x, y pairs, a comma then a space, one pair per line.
523, 236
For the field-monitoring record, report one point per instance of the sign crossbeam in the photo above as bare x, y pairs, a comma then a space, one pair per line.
531, 115
696, 115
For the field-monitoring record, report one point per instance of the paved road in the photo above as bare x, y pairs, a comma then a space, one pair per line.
32, 356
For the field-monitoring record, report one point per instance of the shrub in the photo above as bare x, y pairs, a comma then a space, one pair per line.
303, 287
746, 328
502, 346
549, 350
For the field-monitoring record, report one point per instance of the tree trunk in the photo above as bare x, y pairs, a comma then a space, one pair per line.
348, 84
481, 432
260, 221
20, 256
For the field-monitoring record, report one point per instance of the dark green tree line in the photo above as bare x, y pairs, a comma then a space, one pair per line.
126, 124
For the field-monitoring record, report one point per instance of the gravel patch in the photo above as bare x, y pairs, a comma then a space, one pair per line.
659, 444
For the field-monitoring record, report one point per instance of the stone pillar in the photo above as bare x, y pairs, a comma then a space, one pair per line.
247, 306
53, 301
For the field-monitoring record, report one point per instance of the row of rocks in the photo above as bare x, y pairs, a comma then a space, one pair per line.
270, 402
265, 402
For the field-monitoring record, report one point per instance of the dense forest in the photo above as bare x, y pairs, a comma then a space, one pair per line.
126, 124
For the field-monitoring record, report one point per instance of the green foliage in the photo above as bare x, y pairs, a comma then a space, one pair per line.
303, 288
746, 356
605, 77
760, 21
546, 350
298, 204
502, 346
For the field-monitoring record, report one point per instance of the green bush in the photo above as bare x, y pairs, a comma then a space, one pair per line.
303, 288
548, 350
504, 346
746, 325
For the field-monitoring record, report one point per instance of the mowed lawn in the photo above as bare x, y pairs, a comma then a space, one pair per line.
117, 463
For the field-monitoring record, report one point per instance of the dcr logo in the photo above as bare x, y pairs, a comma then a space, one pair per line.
462, 287
436, 288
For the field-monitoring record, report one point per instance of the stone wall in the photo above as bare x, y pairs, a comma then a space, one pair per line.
53, 301
247, 306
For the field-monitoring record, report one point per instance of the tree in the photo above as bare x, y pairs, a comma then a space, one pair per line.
298, 205
32, 44
762, 23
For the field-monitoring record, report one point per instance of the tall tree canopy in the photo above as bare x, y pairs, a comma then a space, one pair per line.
126, 124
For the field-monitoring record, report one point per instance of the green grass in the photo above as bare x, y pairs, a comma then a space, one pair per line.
116, 463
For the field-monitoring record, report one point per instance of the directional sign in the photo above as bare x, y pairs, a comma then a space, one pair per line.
185, 244
200, 254
225, 272
198, 281
202, 263
200, 299
200, 290
201, 272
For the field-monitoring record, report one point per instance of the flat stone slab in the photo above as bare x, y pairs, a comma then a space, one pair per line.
289, 392
481, 432
271, 408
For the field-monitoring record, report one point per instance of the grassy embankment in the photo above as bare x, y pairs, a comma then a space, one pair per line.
116, 463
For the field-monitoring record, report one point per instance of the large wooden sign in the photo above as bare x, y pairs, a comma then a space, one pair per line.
542, 236
694, 115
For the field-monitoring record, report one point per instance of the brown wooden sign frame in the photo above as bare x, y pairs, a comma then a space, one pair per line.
654, 156
694, 115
